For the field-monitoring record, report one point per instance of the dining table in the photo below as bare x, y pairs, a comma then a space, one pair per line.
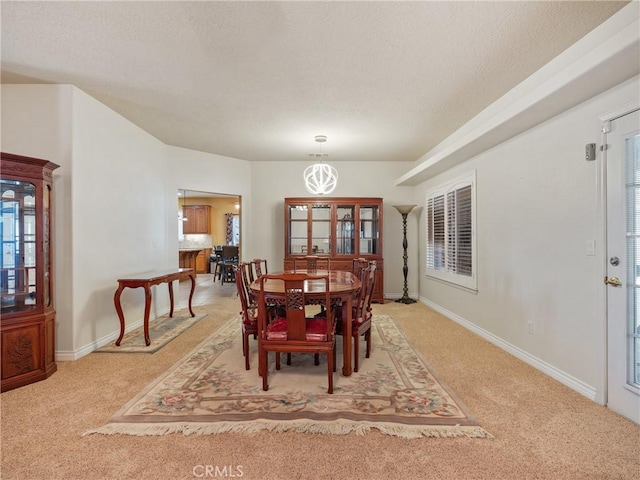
342, 286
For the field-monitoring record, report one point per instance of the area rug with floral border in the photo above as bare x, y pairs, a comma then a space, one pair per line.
209, 391
161, 331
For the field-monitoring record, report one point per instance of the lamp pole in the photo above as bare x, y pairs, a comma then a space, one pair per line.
404, 211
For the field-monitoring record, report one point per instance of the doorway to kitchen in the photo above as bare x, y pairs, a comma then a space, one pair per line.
206, 222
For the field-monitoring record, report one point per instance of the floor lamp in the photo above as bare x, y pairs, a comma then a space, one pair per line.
404, 211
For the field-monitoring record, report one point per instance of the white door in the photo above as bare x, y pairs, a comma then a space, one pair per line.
622, 139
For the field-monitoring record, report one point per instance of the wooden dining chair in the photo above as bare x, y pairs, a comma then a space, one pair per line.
250, 271
294, 332
362, 314
214, 258
225, 267
246, 270
248, 312
260, 267
312, 263
359, 264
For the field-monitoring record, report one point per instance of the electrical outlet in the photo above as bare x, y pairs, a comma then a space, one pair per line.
530, 328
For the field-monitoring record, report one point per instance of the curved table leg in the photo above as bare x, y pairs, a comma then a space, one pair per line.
147, 310
116, 301
193, 287
170, 284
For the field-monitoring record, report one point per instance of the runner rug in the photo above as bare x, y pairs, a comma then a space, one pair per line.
161, 331
209, 392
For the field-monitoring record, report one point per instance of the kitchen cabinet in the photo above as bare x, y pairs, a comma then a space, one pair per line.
27, 314
202, 261
339, 228
198, 219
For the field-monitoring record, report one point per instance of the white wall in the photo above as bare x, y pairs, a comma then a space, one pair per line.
109, 199
115, 204
271, 182
537, 206
37, 122
120, 218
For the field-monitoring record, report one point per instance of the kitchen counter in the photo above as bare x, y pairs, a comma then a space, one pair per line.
187, 257
195, 257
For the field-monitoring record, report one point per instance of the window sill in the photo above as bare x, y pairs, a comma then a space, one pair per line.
452, 284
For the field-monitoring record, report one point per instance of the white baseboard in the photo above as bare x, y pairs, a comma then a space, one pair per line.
546, 368
395, 296
69, 356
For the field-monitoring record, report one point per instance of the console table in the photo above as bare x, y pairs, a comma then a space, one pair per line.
146, 281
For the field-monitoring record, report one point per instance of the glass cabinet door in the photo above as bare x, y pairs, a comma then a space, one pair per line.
46, 245
369, 230
18, 237
298, 230
320, 229
345, 230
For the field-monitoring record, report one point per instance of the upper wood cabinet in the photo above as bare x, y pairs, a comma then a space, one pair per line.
340, 228
198, 219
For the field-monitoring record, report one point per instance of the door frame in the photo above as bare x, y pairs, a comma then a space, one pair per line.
602, 393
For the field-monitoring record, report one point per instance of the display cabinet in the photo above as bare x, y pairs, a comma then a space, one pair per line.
27, 320
340, 228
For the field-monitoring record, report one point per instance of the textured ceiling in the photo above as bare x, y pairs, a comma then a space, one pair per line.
385, 81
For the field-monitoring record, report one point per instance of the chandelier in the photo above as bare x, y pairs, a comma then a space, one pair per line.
320, 178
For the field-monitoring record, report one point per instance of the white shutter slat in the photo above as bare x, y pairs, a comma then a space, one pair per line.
450, 223
464, 264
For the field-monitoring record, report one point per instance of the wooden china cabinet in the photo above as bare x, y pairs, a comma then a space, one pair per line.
27, 320
340, 228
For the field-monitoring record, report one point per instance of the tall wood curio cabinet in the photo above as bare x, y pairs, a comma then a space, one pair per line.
27, 321
340, 228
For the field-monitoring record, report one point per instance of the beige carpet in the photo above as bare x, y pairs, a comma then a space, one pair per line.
161, 331
542, 430
209, 391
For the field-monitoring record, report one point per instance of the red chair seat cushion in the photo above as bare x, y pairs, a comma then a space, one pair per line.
277, 329
316, 329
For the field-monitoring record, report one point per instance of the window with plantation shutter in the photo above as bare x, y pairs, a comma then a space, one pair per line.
450, 223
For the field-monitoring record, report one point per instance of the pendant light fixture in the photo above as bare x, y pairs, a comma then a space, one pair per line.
184, 204
320, 178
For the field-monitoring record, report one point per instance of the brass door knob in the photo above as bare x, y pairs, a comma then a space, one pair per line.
615, 281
